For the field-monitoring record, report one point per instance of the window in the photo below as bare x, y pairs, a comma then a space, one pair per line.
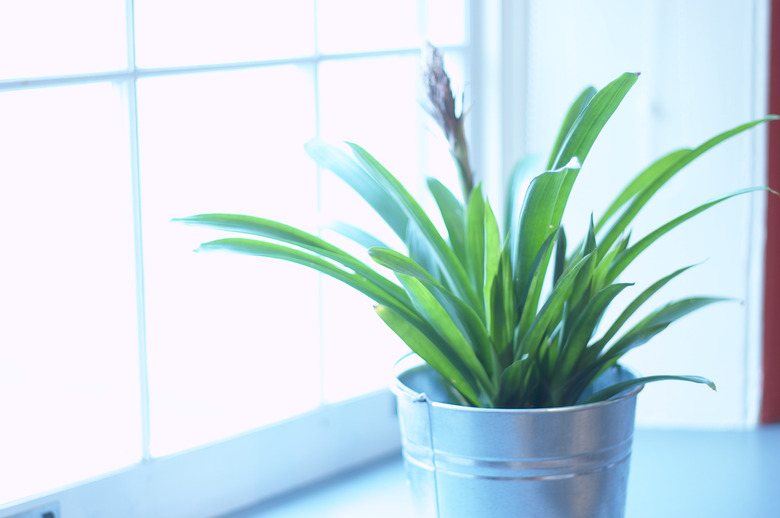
121, 347
132, 371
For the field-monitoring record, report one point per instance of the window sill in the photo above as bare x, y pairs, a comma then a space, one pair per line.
673, 473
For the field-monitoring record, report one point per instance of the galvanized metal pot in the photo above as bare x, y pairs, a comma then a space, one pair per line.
463, 462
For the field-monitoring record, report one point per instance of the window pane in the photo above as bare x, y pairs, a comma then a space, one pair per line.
69, 395
52, 37
358, 26
186, 32
233, 341
446, 21
374, 103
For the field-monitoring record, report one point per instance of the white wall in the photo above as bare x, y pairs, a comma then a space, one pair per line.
703, 71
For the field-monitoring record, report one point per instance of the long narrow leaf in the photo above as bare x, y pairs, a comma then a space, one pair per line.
356, 234
452, 269
467, 320
527, 294
525, 169
618, 388
583, 286
439, 319
357, 281
475, 241
663, 175
592, 119
511, 384
551, 309
539, 219
560, 256
502, 316
431, 353
661, 317
627, 313
290, 235
594, 368
606, 262
337, 161
575, 111
493, 250
658, 168
452, 214
584, 326
631, 253
420, 252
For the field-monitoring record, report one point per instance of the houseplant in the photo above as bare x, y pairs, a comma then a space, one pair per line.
507, 318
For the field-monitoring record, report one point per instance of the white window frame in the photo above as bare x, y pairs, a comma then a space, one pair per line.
226, 476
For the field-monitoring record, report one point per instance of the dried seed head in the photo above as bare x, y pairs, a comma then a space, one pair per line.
439, 102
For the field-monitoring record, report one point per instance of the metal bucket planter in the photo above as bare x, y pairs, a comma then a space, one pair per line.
463, 462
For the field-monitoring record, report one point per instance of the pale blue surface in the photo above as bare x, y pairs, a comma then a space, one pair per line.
712, 474
709, 474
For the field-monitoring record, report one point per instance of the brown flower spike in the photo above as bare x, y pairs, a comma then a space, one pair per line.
440, 105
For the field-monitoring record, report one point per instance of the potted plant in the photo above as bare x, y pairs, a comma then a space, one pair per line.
513, 399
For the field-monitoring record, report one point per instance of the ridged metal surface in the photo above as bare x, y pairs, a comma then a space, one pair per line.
462, 462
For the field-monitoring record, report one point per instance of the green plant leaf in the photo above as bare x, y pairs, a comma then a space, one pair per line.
453, 215
398, 300
467, 320
631, 253
420, 252
539, 219
584, 326
525, 169
469, 303
656, 322
475, 241
551, 310
337, 161
583, 284
400, 263
591, 370
451, 268
591, 120
618, 388
279, 231
511, 384
356, 234
560, 256
431, 353
493, 250
439, 319
527, 294
627, 313
502, 317
575, 111
663, 170
641, 181
607, 261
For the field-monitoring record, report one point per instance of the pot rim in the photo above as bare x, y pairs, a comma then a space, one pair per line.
401, 390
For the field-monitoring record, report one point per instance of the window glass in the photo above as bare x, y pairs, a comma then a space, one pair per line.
233, 341
447, 22
374, 103
69, 384
185, 32
51, 37
371, 102
358, 26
